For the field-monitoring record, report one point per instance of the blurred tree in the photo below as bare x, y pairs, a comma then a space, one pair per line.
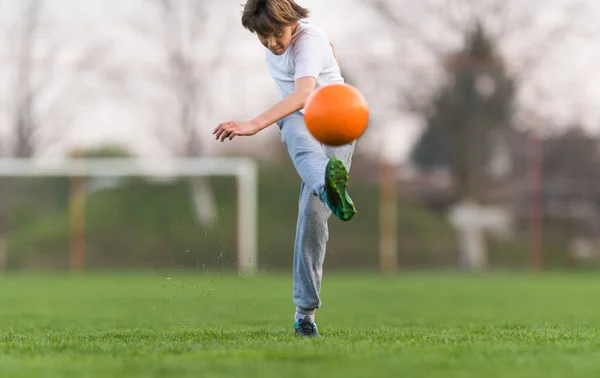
184, 74
35, 95
474, 87
23, 122
570, 162
466, 98
22, 91
417, 27
569, 189
432, 151
572, 155
476, 104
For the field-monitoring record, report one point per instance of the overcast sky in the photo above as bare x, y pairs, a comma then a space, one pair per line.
92, 113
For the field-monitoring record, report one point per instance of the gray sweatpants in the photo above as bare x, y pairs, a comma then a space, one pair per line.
310, 159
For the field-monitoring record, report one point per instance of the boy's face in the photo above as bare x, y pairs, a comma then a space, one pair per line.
279, 41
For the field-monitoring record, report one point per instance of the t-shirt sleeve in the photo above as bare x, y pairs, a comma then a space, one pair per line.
310, 56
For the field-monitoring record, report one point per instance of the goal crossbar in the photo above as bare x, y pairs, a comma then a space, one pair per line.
243, 169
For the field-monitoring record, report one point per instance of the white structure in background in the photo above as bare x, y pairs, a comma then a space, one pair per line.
244, 170
472, 222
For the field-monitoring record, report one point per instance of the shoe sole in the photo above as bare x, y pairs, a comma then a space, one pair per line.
338, 176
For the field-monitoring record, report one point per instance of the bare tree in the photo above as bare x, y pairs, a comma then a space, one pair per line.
184, 76
440, 75
22, 119
22, 91
36, 96
434, 29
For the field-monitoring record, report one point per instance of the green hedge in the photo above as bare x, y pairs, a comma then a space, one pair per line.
141, 224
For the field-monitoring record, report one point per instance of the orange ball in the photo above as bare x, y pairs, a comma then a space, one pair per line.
336, 114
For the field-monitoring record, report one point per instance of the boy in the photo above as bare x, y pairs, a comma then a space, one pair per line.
300, 58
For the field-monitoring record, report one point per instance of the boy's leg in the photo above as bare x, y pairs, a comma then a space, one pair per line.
312, 234
312, 161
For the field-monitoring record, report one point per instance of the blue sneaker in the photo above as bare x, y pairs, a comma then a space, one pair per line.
336, 193
306, 328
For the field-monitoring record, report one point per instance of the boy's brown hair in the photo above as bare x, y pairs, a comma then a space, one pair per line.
269, 16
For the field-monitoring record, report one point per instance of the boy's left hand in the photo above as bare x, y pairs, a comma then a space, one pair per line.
232, 129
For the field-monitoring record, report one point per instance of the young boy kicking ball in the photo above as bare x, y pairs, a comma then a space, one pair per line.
300, 59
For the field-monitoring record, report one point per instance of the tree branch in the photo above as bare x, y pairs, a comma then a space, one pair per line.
181, 28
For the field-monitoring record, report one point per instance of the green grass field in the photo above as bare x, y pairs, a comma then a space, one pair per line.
212, 325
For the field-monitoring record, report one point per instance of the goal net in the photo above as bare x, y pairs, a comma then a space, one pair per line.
127, 212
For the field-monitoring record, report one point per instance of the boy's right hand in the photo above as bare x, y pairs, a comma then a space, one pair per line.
232, 129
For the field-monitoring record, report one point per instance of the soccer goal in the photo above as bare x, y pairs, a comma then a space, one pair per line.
78, 169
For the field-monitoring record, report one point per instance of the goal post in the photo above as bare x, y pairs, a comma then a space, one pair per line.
244, 170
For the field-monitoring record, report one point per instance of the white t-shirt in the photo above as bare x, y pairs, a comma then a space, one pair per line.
309, 54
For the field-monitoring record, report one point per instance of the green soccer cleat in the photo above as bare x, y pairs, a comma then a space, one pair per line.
336, 193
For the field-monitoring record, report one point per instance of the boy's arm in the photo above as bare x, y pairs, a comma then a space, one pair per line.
291, 104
